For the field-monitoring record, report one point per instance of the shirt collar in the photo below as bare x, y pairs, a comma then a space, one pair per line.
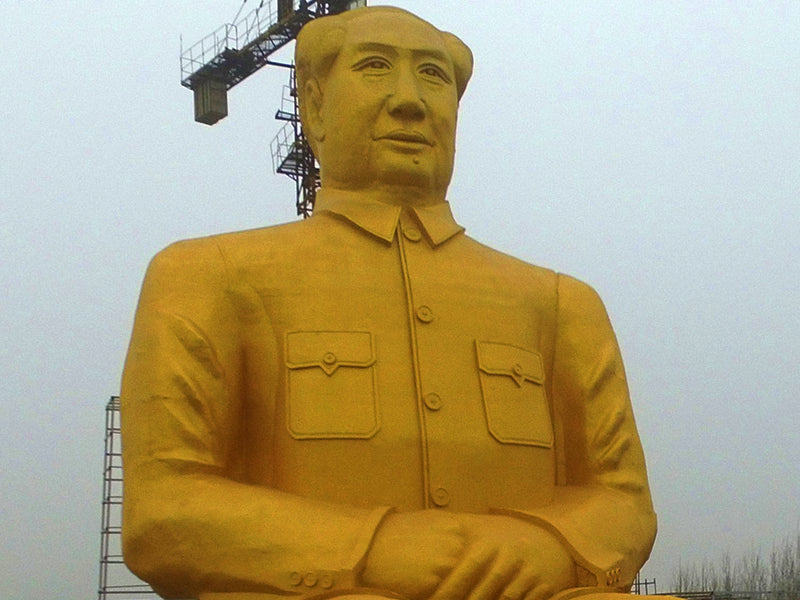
381, 219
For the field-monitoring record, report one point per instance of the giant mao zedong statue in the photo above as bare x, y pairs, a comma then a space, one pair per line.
369, 401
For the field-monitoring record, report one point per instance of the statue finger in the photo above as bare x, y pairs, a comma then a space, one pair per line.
540, 592
497, 577
464, 576
521, 586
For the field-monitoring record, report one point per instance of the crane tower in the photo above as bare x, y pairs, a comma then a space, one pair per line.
235, 51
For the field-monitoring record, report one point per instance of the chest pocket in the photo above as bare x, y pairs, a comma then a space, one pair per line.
512, 384
331, 385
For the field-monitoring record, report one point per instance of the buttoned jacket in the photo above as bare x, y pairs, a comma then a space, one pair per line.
287, 387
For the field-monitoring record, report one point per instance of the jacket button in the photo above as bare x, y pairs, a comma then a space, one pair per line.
329, 358
441, 497
433, 401
310, 579
424, 314
295, 578
517, 368
412, 234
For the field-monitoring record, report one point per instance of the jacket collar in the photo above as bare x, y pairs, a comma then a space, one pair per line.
381, 219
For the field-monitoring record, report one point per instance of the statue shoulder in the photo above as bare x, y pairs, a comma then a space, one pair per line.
565, 293
513, 266
574, 290
219, 249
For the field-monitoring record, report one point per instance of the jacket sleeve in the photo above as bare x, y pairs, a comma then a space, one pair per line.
601, 510
191, 523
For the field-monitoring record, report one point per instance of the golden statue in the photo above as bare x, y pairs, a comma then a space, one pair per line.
369, 402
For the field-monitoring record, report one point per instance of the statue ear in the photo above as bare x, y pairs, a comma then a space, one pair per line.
312, 113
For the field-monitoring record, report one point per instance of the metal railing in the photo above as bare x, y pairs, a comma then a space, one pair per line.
231, 36
282, 145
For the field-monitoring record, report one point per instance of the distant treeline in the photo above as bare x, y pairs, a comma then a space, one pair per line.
776, 576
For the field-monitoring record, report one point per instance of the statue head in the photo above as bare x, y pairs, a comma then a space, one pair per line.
379, 91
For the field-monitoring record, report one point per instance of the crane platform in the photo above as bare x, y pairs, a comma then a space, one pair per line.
236, 50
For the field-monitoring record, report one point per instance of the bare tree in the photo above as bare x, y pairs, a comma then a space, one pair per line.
777, 577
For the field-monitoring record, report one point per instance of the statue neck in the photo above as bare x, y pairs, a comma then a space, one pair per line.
396, 195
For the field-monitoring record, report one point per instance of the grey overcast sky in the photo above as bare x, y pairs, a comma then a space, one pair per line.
650, 148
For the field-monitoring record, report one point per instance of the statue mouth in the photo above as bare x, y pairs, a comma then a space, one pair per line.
406, 135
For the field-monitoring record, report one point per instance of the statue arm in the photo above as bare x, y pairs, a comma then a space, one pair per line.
191, 522
601, 510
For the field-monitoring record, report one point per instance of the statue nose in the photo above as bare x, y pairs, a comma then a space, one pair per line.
406, 101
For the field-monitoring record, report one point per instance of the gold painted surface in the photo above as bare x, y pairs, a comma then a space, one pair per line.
369, 402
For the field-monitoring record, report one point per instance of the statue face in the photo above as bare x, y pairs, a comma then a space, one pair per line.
387, 115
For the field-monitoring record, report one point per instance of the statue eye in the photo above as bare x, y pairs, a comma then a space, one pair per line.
373, 64
432, 71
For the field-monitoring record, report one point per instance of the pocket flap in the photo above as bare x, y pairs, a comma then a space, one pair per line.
329, 350
504, 359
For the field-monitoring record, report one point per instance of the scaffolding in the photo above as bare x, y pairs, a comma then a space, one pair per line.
291, 152
642, 586
115, 581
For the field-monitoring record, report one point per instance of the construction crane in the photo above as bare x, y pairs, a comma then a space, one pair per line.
235, 51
